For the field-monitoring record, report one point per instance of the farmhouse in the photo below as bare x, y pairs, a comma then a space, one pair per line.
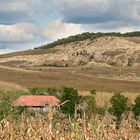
36, 102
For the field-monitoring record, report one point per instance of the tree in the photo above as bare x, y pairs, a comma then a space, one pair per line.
91, 105
136, 108
71, 96
119, 105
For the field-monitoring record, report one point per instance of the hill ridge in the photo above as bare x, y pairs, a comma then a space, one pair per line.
87, 35
107, 50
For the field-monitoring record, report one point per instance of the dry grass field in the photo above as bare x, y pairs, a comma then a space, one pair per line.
11, 87
103, 98
59, 77
134, 39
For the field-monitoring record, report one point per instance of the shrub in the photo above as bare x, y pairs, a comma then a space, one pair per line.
93, 92
91, 57
38, 91
73, 98
51, 91
119, 104
130, 62
82, 63
136, 108
54, 92
91, 105
100, 111
66, 65
17, 111
4, 109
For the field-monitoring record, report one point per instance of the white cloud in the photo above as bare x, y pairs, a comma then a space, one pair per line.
17, 33
19, 17
4, 51
57, 29
126, 29
13, 6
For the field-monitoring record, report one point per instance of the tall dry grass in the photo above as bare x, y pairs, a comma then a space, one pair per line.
11, 87
102, 97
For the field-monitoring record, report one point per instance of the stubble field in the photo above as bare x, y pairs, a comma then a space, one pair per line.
83, 80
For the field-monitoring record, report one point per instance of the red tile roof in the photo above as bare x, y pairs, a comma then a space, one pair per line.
32, 100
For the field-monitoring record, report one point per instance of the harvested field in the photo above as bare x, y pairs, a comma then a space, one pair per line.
55, 77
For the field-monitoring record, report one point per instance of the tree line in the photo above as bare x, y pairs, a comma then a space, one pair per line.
87, 35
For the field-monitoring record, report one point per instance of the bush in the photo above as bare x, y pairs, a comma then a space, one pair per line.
100, 111
4, 109
51, 90
82, 63
73, 98
17, 111
38, 91
130, 62
119, 105
91, 105
7, 110
136, 108
93, 92
54, 92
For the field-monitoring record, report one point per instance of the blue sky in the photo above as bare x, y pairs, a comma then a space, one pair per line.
25, 24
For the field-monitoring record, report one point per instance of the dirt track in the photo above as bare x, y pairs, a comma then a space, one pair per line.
17, 69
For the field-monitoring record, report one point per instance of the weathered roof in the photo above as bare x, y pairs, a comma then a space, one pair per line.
32, 100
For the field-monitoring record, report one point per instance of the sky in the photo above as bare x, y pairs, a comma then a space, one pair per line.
25, 24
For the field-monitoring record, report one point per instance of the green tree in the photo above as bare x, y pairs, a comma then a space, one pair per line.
119, 105
71, 96
136, 108
4, 109
91, 105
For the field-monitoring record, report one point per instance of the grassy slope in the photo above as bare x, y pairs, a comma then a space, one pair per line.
87, 35
28, 52
43, 49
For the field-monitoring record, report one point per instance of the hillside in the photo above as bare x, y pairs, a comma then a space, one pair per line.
134, 36
105, 50
110, 62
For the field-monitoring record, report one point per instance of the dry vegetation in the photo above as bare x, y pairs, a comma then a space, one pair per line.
71, 77
48, 128
28, 52
110, 50
102, 98
40, 67
93, 71
11, 87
